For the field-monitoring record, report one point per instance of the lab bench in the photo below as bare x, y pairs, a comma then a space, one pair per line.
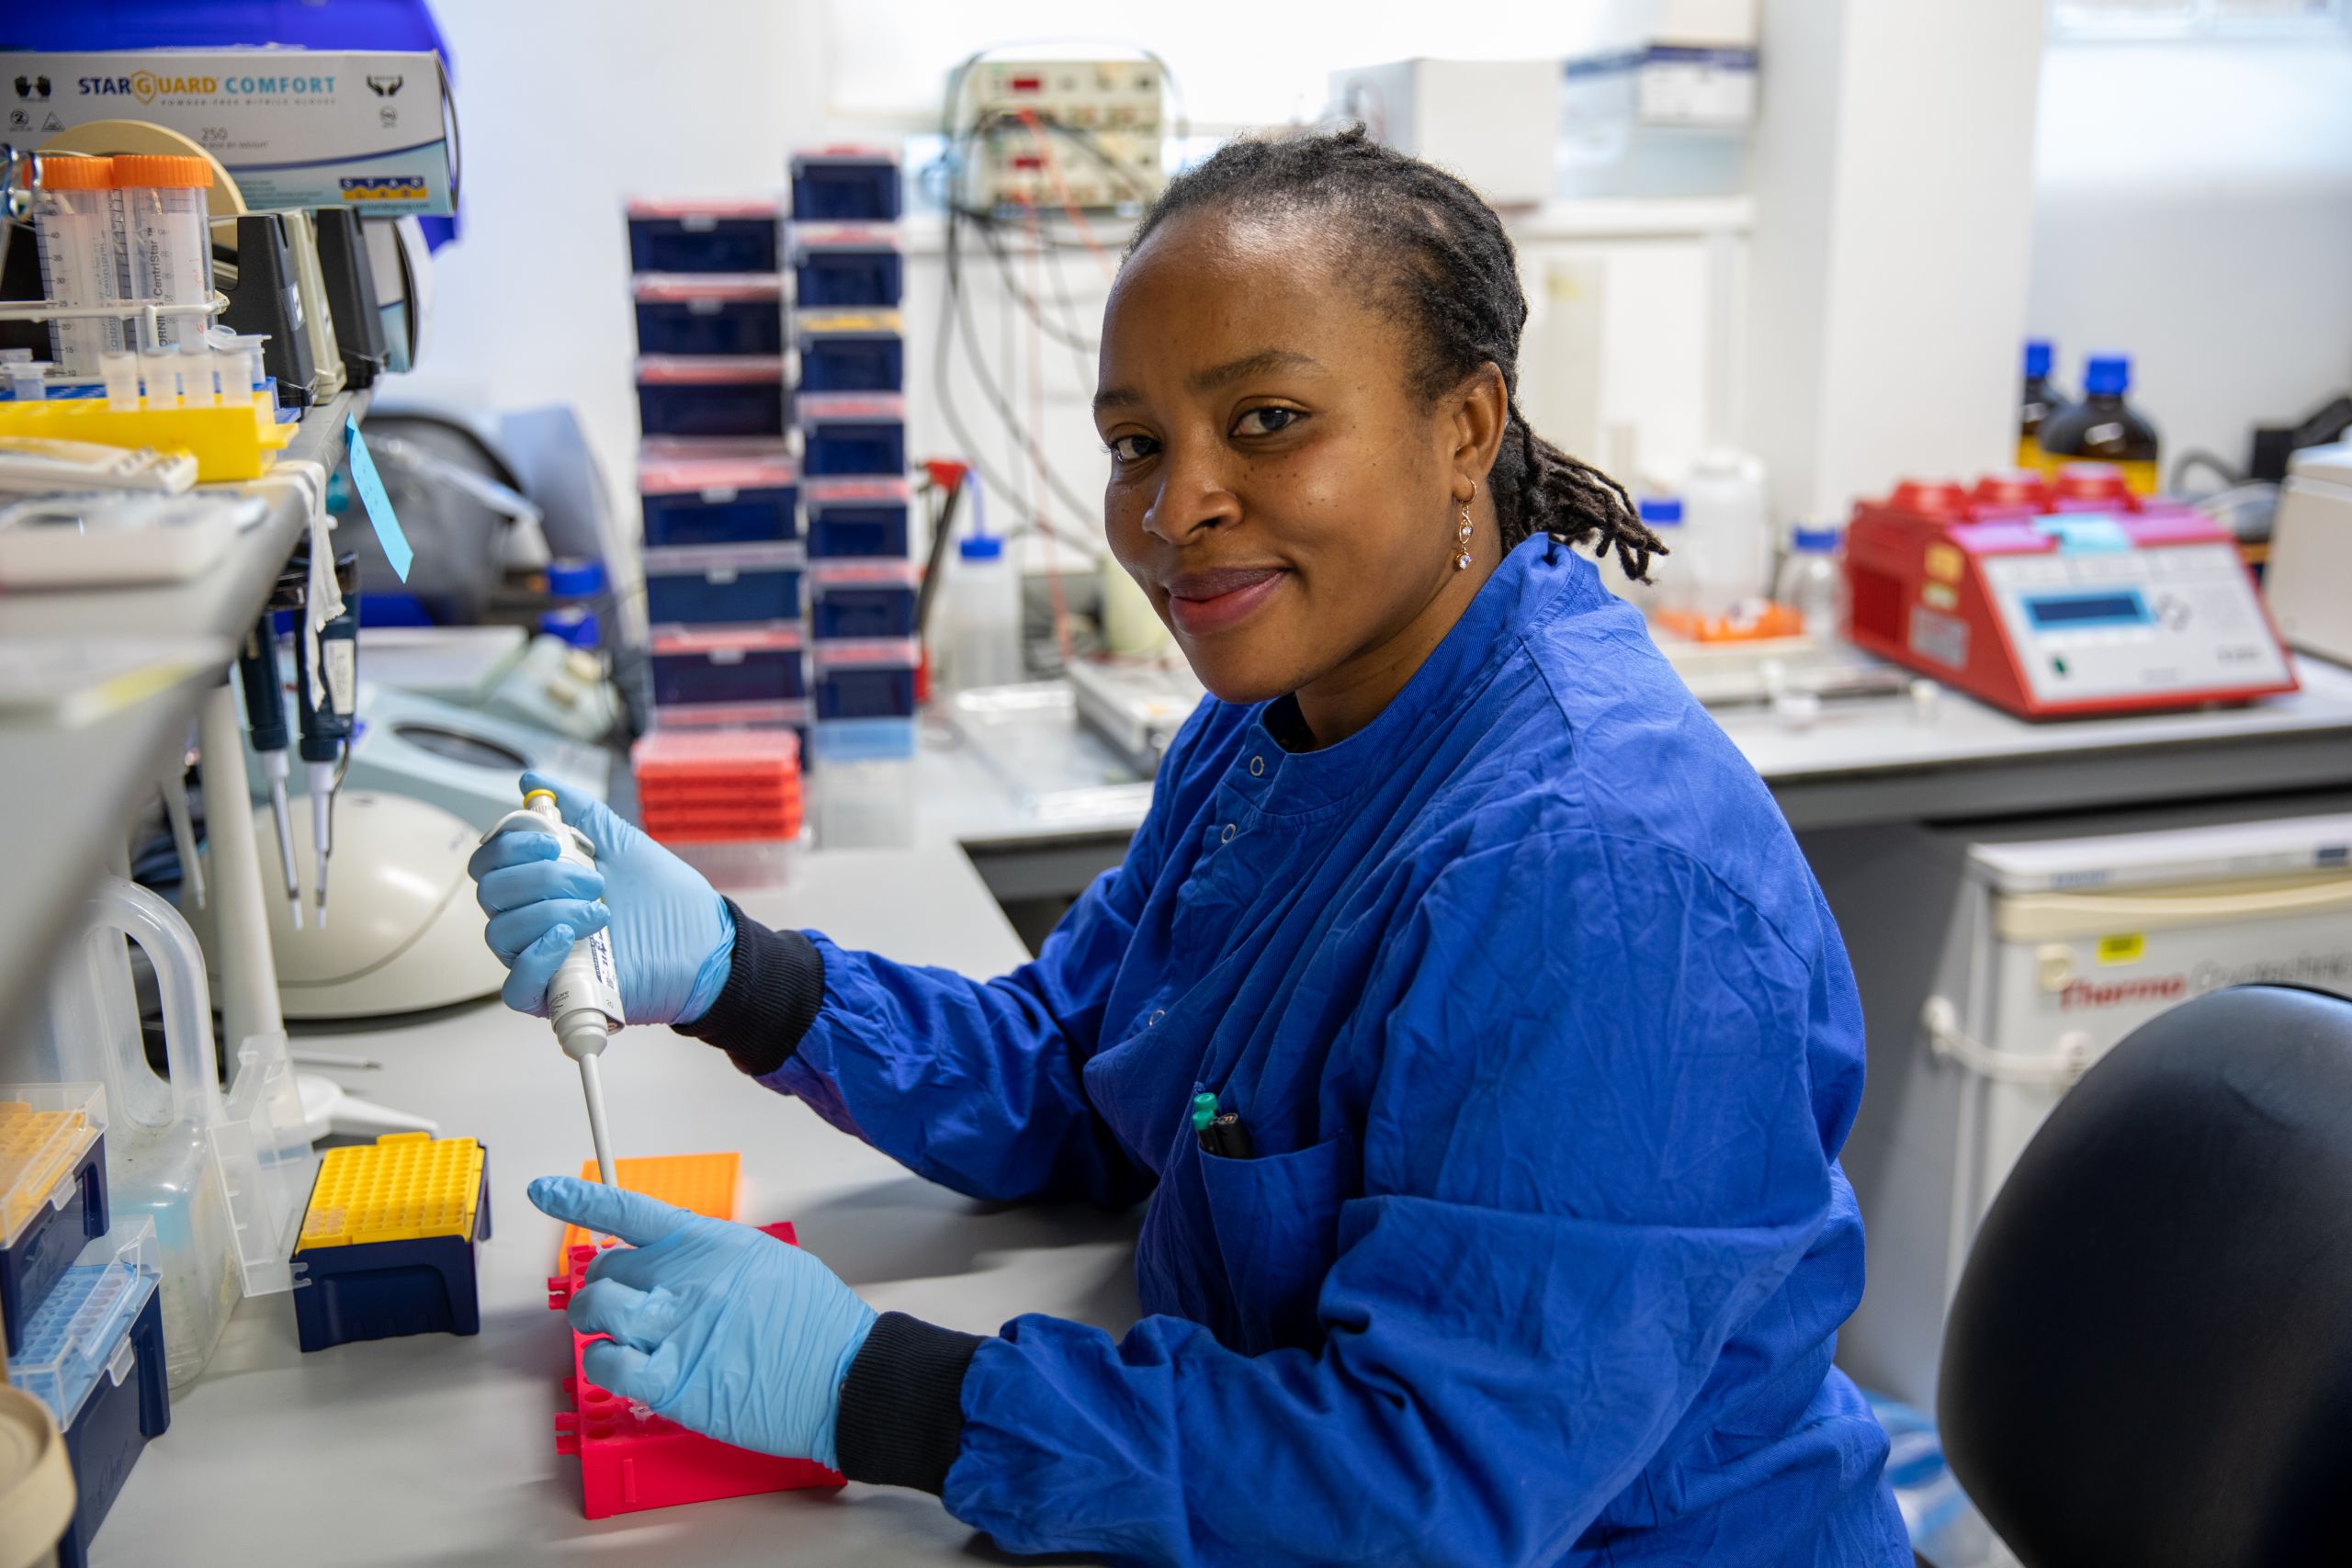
1068, 813
434, 1449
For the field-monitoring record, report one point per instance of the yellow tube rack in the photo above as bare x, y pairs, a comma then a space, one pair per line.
228, 441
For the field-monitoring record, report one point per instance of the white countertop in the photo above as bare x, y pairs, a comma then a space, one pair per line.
436, 1449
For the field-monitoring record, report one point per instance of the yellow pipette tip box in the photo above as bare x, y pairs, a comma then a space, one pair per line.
701, 1184
38, 1145
403, 1186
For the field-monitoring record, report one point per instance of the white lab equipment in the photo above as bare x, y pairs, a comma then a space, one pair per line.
1727, 533
101, 538
80, 257
584, 998
1657, 100
1996, 969
224, 1177
1494, 123
162, 200
983, 616
1813, 582
2309, 579
406, 936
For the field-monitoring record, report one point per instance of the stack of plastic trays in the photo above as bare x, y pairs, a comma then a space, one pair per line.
387, 1242
716, 479
863, 654
718, 786
52, 1190
93, 1349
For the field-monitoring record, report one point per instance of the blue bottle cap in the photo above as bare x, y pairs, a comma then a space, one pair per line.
2036, 357
2106, 375
575, 579
1820, 541
577, 627
1665, 509
981, 547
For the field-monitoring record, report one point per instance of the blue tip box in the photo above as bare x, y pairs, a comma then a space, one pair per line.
846, 264
846, 184
693, 313
855, 518
382, 1290
704, 236
695, 668
732, 585
872, 677
863, 598
93, 1353
718, 492
712, 395
853, 433
52, 1190
851, 351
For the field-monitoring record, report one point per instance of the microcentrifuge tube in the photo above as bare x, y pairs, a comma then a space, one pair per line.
120, 371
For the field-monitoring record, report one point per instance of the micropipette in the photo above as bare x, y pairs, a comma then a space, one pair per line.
265, 722
585, 997
326, 726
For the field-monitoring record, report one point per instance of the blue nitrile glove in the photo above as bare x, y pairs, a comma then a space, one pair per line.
713, 1325
672, 938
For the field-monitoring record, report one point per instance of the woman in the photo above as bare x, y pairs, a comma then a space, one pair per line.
1527, 1242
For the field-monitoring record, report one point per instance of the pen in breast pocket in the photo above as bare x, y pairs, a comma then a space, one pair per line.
1222, 1135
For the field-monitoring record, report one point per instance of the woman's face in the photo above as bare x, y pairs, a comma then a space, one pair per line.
1283, 496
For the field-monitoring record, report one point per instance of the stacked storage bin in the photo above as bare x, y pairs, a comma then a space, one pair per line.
716, 475
85, 1323
848, 276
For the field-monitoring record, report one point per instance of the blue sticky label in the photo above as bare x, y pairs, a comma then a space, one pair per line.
2084, 534
370, 486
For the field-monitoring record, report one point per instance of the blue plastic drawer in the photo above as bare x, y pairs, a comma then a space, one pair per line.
863, 599
860, 741
853, 433
717, 497
846, 264
867, 693
846, 184
693, 669
853, 517
689, 236
851, 351
691, 314
697, 395
865, 678
50, 1232
723, 584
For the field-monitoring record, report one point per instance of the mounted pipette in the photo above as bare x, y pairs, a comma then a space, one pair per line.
265, 723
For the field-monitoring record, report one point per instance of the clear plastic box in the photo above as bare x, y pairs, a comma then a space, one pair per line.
79, 1328
862, 782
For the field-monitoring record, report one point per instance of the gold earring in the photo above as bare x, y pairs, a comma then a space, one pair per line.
1462, 560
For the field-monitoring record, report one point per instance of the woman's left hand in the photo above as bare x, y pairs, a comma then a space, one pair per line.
715, 1325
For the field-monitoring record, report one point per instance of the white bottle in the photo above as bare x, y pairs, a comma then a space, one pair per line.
983, 616
1727, 533
1812, 581
1662, 514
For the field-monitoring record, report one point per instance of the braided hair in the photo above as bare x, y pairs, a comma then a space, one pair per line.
1443, 253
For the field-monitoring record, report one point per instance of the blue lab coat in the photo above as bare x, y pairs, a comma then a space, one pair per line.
1546, 1043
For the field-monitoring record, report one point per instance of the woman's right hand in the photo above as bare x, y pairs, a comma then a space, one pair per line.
672, 937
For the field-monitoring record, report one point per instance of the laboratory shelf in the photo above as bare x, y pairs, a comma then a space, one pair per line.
66, 791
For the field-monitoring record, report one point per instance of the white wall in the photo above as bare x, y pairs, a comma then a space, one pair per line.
567, 109
2193, 208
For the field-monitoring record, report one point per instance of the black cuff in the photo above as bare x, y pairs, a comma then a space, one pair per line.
901, 1418
775, 983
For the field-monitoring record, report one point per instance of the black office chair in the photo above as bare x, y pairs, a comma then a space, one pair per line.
2149, 1360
